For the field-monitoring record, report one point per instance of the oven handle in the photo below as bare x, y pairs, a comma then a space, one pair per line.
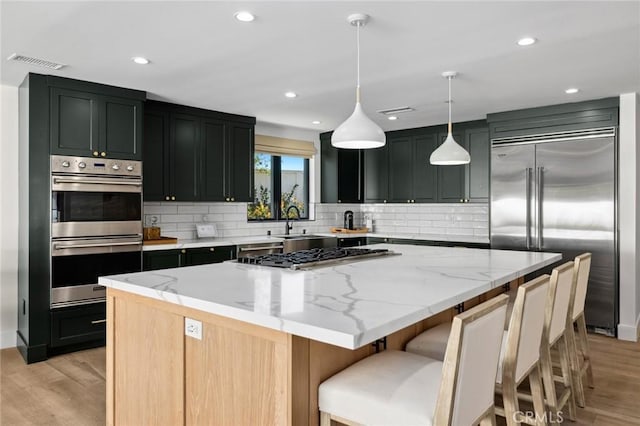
97, 181
59, 246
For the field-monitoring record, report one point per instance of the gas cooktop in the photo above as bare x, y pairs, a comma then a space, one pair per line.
304, 259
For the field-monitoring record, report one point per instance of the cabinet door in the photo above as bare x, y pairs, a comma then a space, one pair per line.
120, 128
214, 165
478, 170
78, 324
74, 123
350, 176
376, 175
185, 158
424, 174
451, 179
328, 171
161, 259
240, 177
401, 169
155, 170
206, 255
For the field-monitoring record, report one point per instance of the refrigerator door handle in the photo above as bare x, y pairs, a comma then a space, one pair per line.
527, 177
539, 182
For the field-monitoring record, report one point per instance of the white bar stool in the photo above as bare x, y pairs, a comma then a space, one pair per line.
400, 388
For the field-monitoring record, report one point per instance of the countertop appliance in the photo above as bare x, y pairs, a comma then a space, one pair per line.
348, 219
304, 259
96, 225
557, 192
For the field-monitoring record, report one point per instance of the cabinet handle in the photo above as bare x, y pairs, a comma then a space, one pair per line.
183, 251
232, 199
212, 249
339, 201
102, 321
173, 198
226, 199
461, 200
95, 153
384, 201
103, 154
167, 198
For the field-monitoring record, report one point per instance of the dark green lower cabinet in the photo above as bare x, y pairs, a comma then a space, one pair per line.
352, 242
75, 325
165, 259
162, 259
205, 255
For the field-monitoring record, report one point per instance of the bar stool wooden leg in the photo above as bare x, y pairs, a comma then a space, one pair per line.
566, 374
535, 381
547, 378
574, 357
584, 346
325, 419
489, 419
510, 403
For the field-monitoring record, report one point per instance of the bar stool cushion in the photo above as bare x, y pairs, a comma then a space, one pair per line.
432, 342
388, 388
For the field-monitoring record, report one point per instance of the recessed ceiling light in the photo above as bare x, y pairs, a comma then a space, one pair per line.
316, 122
291, 95
571, 91
392, 117
140, 60
244, 16
526, 41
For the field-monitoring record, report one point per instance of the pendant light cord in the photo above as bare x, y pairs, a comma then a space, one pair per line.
358, 62
449, 78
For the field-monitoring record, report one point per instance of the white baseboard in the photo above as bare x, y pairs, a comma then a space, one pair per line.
7, 339
629, 332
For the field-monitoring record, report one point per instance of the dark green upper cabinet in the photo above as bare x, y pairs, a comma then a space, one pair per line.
412, 179
342, 173
206, 155
424, 174
401, 151
376, 175
93, 120
478, 170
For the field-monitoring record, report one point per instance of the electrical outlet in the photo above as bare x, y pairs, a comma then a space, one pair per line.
193, 328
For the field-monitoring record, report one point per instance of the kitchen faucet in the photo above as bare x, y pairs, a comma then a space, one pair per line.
286, 225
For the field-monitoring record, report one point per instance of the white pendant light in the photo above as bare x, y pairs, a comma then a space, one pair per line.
449, 153
358, 131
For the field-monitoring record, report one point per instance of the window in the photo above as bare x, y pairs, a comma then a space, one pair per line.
280, 182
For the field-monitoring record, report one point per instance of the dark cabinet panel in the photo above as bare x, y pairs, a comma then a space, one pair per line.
162, 259
352, 242
341, 173
401, 151
120, 130
155, 168
206, 255
424, 174
74, 123
214, 166
376, 175
90, 124
478, 171
70, 326
186, 158
328, 171
451, 179
241, 147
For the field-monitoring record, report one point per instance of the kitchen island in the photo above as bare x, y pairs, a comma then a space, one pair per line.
266, 337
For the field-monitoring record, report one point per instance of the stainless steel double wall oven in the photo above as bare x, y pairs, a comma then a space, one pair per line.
96, 225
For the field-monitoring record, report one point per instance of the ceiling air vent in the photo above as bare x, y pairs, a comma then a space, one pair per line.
394, 111
35, 61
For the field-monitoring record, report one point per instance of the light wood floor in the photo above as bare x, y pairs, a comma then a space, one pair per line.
69, 389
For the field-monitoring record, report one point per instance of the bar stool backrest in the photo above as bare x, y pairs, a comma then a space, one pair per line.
562, 280
582, 265
470, 364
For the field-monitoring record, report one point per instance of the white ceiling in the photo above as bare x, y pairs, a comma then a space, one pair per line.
202, 56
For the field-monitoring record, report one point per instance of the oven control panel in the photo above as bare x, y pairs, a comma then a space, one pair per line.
95, 166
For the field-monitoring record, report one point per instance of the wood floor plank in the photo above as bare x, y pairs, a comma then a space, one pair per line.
69, 389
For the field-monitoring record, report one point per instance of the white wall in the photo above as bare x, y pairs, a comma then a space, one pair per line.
8, 215
629, 216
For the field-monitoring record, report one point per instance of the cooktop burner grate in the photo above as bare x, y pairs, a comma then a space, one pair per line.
314, 257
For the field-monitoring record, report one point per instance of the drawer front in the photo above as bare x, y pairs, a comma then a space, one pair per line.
77, 325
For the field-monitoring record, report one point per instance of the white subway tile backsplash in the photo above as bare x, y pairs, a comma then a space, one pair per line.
182, 209
176, 218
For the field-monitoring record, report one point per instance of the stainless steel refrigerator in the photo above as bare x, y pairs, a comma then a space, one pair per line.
557, 192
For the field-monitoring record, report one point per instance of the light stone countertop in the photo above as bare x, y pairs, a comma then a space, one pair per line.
233, 241
348, 305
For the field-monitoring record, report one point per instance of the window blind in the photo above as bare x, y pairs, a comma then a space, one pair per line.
281, 146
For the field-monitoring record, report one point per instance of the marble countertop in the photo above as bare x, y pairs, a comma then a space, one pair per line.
233, 241
347, 305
